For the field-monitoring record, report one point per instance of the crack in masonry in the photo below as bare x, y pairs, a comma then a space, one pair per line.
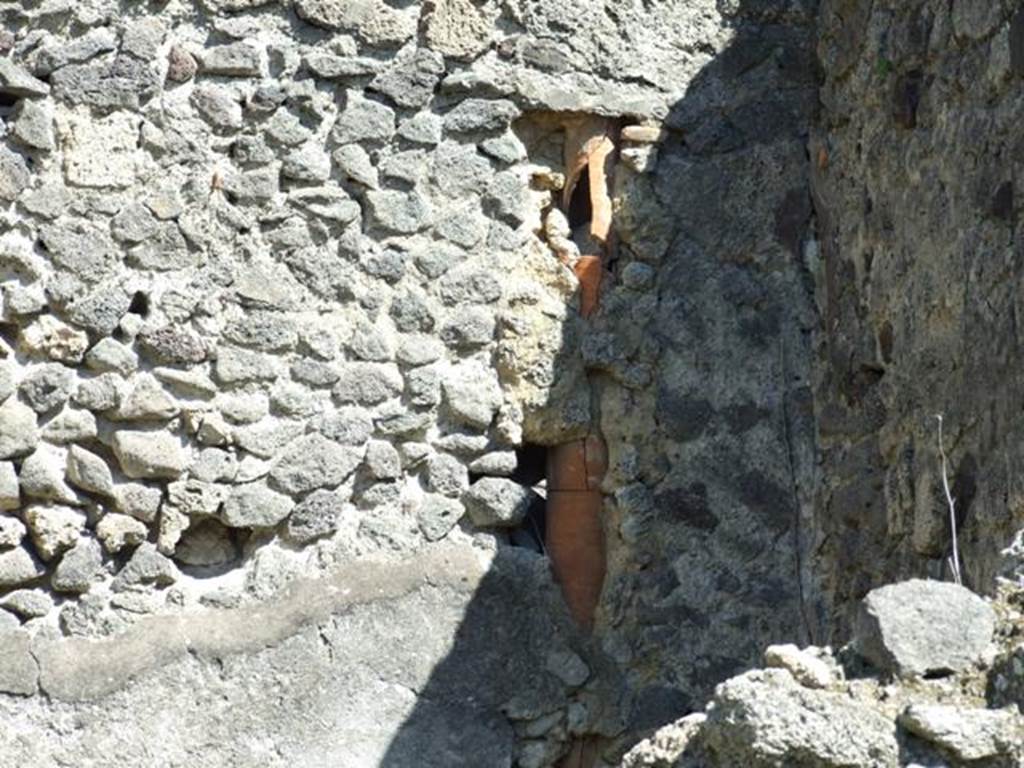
795, 490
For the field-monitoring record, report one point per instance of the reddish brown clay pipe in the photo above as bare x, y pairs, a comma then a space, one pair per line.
574, 535
589, 271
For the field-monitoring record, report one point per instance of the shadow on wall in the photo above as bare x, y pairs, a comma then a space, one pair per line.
699, 366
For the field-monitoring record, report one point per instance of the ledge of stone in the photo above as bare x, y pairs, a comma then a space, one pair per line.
82, 669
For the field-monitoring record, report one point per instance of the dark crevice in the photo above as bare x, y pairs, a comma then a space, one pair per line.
580, 212
531, 470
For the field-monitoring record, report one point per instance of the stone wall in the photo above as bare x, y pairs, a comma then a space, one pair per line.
915, 159
288, 319
283, 296
712, 442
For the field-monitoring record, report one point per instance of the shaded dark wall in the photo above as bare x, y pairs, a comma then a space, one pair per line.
916, 157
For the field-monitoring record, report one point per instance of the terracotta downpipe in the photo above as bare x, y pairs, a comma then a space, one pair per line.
574, 531
589, 270
575, 536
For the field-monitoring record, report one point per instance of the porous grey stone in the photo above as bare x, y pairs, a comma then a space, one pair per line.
447, 475
459, 170
315, 516
89, 472
16, 81
101, 310
47, 387
422, 128
197, 497
70, 426
355, 164
79, 568
18, 567
349, 425
292, 399
33, 125
100, 393
12, 531
146, 566
916, 628
54, 528
124, 83
967, 734
262, 330
507, 148
82, 248
313, 462
27, 603
370, 343
314, 373
765, 718
18, 429
166, 251
472, 393
411, 312
411, 77
329, 203
233, 59
42, 476
7, 386
469, 327
423, 386
14, 174
498, 463
363, 120
149, 454
331, 67
373, 20
497, 501
470, 285
142, 38
138, 500
241, 366
399, 212
109, 354
367, 383
76, 51
382, 460
481, 115
436, 515
218, 106
308, 162
419, 349
10, 498
807, 668
118, 532
255, 506
465, 226
460, 28
146, 400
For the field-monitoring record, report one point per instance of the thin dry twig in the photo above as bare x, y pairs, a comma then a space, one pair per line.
954, 561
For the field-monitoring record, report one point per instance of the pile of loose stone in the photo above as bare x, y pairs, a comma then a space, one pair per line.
933, 677
254, 273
